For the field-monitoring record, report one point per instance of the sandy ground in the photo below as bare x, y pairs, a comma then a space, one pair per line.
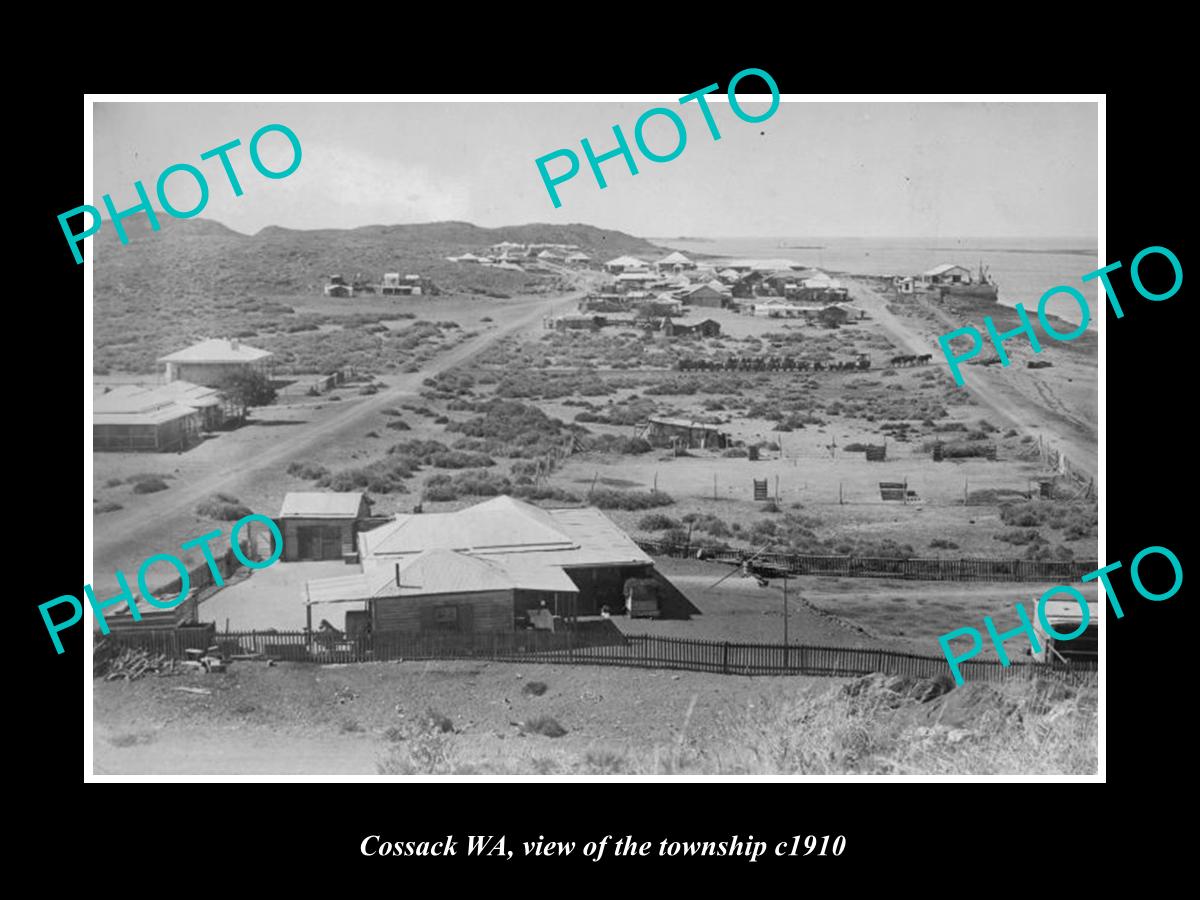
302, 719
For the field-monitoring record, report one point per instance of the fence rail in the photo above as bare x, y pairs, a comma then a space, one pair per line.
1059, 571
616, 649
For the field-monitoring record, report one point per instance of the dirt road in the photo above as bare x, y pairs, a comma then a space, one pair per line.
987, 385
137, 532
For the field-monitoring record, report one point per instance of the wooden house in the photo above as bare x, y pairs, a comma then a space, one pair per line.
486, 566
211, 362
709, 295
142, 421
320, 525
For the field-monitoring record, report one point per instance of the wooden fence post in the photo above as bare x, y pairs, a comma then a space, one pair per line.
725, 659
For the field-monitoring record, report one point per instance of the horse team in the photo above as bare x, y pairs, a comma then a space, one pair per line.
897, 362
792, 364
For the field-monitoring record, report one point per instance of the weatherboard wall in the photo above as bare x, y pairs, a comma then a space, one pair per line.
477, 612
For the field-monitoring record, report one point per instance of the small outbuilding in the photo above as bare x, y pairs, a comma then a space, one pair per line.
320, 525
661, 430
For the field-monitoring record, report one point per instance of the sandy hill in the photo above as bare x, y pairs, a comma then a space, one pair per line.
202, 256
198, 277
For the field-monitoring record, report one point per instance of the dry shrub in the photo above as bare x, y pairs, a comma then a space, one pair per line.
546, 726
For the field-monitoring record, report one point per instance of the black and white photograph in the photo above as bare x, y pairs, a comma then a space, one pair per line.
633, 438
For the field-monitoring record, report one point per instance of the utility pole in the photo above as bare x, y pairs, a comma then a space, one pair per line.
785, 612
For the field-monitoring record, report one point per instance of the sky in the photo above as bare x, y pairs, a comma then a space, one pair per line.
811, 170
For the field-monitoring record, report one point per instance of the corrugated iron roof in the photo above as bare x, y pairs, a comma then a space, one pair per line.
509, 530
217, 350
159, 415
946, 267
435, 572
321, 505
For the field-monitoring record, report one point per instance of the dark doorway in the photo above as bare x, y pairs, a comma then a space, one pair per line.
320, 542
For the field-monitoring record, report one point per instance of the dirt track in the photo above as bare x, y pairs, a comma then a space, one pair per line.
993, 387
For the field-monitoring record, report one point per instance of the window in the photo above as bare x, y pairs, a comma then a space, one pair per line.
446, 617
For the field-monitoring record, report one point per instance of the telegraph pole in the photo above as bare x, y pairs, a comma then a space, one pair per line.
785, 611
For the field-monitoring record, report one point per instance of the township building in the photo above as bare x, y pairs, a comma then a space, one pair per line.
320, 525
211, 362
947, 273
140, 419
409, 285
674, 262
484, 567
713, 294
625, 264
662, 430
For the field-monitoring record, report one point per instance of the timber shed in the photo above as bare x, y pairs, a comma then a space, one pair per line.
320, 525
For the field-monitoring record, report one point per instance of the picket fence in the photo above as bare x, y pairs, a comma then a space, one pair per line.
1056, 571
567, 647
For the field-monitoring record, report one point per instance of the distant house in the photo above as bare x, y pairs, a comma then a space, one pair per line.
393, 284
662, 305
903, 284
820, 288
633, 281
660, 430
211, 362
578, 259
706, 328
835, 313
705, 295
674, 262
318, 525
748, 285
625, 264
549, 255
947, 273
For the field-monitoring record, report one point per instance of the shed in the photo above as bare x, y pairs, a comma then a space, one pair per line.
684, 432
947, 273
211, 362
320, 525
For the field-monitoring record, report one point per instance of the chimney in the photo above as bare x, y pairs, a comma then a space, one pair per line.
233, 343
